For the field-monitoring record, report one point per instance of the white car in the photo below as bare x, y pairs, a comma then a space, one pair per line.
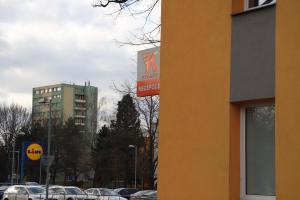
104, 194
22, 192
69, 193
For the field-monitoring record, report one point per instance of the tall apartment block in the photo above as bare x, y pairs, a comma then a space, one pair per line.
68, 101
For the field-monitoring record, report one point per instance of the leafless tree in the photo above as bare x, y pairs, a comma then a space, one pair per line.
150, 33
13, 119
104, 114
148, 108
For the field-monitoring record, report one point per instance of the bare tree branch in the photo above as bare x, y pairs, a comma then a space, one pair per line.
148, 108
13, 119
100, 4
149, 35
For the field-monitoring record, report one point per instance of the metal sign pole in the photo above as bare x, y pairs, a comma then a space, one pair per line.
22, 164
48, 151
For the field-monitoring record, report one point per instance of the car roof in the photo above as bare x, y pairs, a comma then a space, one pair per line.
56, 186
142, 192
70, 187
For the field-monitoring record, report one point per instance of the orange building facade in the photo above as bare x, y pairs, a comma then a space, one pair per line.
229, 113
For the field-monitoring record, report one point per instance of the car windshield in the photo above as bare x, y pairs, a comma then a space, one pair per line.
35, 190
151, 194
74, 191
141, 192
106, 192
31, 183
118, 190
3, 188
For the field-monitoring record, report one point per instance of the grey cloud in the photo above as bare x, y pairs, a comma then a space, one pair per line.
45, 42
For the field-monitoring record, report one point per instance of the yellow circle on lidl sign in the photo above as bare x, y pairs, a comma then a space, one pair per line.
34, 151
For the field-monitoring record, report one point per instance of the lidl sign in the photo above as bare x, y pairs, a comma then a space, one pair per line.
148, 72
34, 151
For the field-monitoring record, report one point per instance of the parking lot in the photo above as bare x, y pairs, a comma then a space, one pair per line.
57, 192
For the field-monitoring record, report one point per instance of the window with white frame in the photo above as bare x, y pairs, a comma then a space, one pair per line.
258, 153
257, 3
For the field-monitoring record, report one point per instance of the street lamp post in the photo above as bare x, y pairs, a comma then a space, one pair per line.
13, 162
48, 101
135, 162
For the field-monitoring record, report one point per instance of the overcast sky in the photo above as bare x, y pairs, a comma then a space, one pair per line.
47, 42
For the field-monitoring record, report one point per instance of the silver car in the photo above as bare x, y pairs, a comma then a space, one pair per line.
104, 194
69, 193
22, 192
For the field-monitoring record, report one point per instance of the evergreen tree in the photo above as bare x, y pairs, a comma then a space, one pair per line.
111, 153
126, 131
72, 150
101, 153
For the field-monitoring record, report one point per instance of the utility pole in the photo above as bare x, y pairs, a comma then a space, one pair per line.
48, 158
48, 151
13, 162
135, 162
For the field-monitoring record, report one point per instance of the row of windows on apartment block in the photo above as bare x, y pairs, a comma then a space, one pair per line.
258, 3
80, 121
79, 90
54, 114
79, 113
57, 114
80, 105
42, 91
55, 105
38, 110
80, 97
45, 120
49, 98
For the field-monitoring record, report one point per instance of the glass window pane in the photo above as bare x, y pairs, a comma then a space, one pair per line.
260, 151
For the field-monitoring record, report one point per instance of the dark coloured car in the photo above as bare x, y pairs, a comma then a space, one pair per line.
126, 192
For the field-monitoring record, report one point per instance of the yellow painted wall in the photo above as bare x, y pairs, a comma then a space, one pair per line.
194, 145
68, 102
237, 6
234, 164
287, 99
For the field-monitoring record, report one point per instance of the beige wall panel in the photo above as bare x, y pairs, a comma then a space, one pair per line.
68, 98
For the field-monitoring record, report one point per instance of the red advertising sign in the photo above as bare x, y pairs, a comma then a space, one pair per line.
148, 72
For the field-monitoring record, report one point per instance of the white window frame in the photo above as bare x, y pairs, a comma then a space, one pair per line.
246, 3
243, 194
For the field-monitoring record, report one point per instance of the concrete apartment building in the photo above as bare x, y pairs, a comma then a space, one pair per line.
229, 100
68, 100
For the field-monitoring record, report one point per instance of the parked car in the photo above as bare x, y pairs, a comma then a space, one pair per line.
138, 194
126, 192
2, 190
149, 196
117, 190
31, 183
22, 192
104, 194
69, 193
